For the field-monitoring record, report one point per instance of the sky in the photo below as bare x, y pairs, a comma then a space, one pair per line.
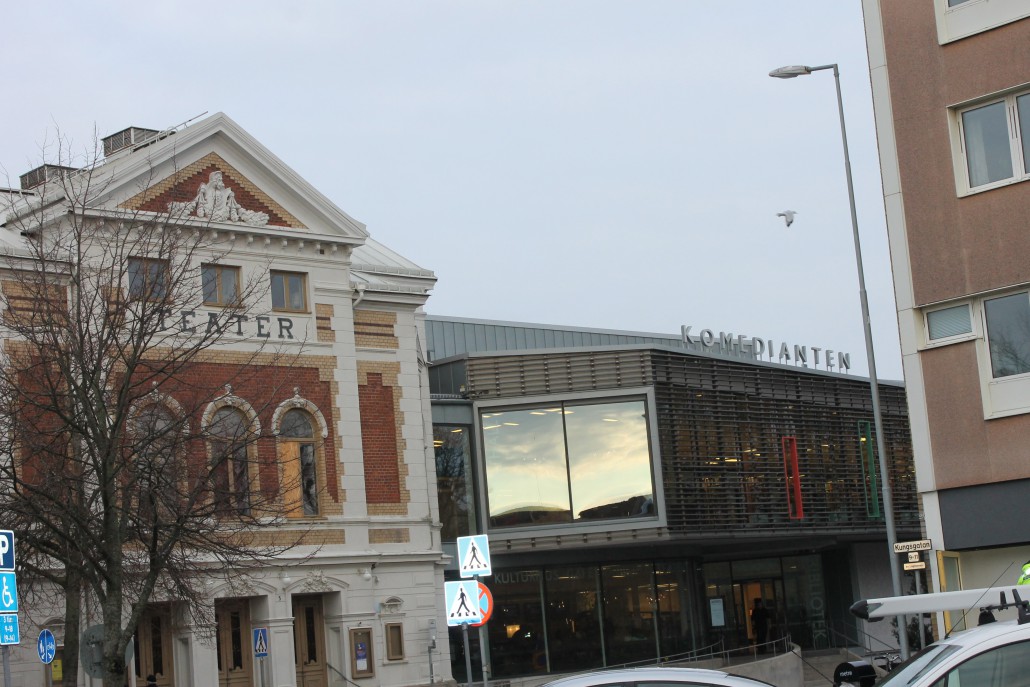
592, 163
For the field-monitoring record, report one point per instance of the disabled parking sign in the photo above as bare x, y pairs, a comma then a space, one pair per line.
8, 593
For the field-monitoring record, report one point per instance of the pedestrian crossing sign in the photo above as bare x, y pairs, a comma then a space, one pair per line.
462, 599
474, 556
260, 642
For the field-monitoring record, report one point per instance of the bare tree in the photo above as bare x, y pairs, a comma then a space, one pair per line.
122, 485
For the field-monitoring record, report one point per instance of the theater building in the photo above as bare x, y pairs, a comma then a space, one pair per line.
640, 491
328, 374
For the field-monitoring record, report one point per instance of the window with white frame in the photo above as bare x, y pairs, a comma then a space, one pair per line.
994, 148
1007, 320
950, 324
958, 19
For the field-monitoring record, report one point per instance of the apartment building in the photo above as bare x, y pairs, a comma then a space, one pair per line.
951, 92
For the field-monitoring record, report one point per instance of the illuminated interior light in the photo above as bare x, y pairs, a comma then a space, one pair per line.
457, 431
492, 426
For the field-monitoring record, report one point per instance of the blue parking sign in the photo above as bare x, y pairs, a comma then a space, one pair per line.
8, 593
9, 630
6, 550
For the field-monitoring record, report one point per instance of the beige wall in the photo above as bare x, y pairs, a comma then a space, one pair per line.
957, 245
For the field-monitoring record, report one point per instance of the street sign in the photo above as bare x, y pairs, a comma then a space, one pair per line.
486, 605
46, 646
914, 556
8, 593
260, 642
918, 545
921, 565
10, 633
462, 599
6, 550
474, 556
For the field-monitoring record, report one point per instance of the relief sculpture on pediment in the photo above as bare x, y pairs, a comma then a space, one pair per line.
217, 202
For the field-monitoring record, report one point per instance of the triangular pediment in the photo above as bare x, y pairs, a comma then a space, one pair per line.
191, 189
214, 172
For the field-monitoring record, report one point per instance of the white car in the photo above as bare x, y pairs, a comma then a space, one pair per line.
656, 677
994, 655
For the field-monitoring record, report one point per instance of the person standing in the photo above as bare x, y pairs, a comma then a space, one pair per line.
760, 624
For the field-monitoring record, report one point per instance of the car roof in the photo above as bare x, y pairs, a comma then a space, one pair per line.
1007, 629
656, 673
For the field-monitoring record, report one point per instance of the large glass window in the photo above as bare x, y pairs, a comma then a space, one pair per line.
297, 455
629, 612
148, 278
517, 645
454, 480
230, 437
567, 462
1008, 334
289, 291
573, 619
996, 140
221, 284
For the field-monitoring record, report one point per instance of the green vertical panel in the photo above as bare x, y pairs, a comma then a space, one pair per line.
870, 476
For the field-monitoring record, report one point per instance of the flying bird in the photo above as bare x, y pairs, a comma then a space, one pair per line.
788, 216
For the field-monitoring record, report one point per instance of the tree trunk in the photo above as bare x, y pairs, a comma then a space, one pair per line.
72, 629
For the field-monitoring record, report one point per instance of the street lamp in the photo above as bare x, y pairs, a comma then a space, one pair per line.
791, 72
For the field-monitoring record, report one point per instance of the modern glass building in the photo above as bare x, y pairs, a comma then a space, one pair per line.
640, 494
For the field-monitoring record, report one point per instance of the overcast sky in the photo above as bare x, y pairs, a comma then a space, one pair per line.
597, 163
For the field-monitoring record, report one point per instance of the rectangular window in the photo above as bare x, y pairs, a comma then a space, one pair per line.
289, 291
566, 462
995, 140
1008, 334
948, 322
454, 480
394, 642
148, 279
221, 284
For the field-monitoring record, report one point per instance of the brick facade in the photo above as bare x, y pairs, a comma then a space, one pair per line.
182, 187
382, 440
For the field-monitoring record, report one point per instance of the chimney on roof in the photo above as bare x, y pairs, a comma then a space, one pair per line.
126, 138
41, 175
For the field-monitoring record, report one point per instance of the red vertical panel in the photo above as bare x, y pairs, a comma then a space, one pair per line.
792, 478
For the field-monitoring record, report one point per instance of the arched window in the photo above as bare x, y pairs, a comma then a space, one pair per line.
157, 435
297, 453
230, 436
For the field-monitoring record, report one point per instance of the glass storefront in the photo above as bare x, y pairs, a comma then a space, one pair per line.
573, 618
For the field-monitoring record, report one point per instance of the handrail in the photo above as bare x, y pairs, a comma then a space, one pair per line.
345, 678
854, 641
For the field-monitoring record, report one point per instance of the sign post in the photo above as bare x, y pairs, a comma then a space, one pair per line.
46, 647
9, 631
474, 562
261, 651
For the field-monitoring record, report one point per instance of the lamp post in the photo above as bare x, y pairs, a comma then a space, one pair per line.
885, 485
